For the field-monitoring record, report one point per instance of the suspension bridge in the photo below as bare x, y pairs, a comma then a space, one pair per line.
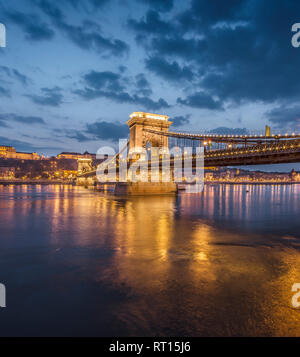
148, 131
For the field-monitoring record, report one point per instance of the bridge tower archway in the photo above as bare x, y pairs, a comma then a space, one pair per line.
84, 165
140, 126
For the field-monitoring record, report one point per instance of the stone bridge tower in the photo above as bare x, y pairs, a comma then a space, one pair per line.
84, 165
139, 122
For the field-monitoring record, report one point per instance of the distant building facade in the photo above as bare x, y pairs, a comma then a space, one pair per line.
240, 175
295, 176
7, 173
69, 174
9, 152
76, 155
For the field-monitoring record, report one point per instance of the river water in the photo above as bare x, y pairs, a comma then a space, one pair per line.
220, 263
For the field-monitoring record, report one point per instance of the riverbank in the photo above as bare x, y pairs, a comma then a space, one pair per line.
63, 182
35, 182
253, 182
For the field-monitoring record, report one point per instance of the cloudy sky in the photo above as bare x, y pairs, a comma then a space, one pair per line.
74, 70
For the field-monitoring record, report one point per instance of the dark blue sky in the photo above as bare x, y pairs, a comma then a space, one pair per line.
73, 71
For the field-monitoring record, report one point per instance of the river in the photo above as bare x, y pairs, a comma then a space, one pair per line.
80, 263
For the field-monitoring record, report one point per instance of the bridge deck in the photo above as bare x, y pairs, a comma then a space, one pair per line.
255, 150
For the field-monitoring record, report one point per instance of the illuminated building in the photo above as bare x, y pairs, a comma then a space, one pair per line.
9, 152
75, 155
294, 176
209, 176
4, 150
7, 173
68, 174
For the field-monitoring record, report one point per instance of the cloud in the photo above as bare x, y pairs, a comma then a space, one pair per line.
284, 116
3, 124
95, 4
108, 80
88, 36
240, 49
150, 24
4, 92
188, 50
78, 136
100, 129
98, 3
123, 97
112, 86
142, 85
168, 71
159, 5
15, 74
20, 145
107, 131
204, 13
145, 102
4, 118
222, 130
201, 100
34, 28
20, 77
181, 120
52, 97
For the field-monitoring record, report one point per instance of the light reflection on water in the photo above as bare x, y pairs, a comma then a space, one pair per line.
220, 263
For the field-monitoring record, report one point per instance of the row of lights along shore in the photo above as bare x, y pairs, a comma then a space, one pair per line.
237, 136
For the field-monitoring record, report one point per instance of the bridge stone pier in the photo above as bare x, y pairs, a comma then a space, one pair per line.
139, 140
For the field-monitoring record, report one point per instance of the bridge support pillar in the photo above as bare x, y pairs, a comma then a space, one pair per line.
86, 181
145, 188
